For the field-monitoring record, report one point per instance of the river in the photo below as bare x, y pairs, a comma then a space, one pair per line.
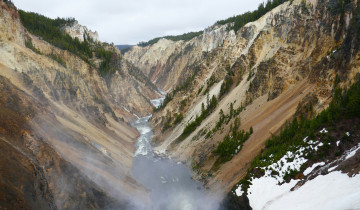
170, 183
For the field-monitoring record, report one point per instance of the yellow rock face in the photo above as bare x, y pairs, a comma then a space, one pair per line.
287, 55
68, 122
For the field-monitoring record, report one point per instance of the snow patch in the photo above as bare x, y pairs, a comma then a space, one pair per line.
352, 153
239, 191
290, 161
310, 169
323, 131
305, 139
266, 189
337, 143
331, 191
332, 168
319, 145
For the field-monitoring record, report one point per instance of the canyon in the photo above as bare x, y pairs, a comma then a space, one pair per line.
286, 57
70, 135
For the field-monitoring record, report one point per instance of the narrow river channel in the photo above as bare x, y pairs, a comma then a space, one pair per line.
170, 183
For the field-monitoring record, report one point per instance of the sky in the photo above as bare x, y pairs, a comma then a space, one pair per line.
132, 21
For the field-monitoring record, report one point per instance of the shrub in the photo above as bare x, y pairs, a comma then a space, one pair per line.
178, 118
225, 86
58, 59
30, 45
232, 143
191, 127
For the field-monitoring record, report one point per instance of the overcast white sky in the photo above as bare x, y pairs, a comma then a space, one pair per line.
132, 21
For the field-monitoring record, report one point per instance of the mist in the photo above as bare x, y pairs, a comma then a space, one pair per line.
149, 182
170, 183
94, 162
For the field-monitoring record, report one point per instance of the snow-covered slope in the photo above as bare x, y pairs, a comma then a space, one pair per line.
324, 185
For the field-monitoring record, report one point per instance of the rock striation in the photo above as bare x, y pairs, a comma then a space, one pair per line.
65, 133
292, 54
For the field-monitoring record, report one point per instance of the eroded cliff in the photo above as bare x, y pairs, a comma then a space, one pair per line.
259, 74
66, 136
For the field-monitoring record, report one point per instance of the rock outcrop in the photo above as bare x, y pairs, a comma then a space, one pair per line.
168, 62
76, 30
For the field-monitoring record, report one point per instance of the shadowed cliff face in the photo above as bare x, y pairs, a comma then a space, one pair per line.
33, 175
291, 54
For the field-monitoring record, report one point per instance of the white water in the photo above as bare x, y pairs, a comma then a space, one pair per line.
171, 185
157, 102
